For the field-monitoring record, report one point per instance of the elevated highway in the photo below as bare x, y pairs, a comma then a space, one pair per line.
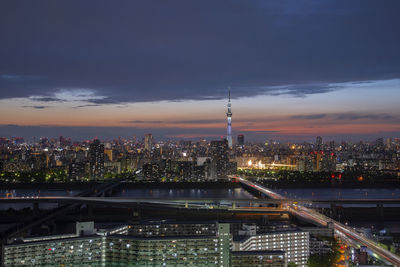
340, 229
96, 191
234, 205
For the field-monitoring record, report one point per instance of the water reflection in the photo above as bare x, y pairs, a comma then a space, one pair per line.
32, 194
37, 193
184, 193
340, 193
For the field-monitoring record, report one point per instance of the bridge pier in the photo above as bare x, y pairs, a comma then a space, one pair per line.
334, 210
136, 213
233, 205
380, 211
78, 209
53, 228
107, 193
111, 192
35, 208
186, 204
90, 210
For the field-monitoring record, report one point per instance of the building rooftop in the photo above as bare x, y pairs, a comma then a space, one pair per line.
243, 238
258, 252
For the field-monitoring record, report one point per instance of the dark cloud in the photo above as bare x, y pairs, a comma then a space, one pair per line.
107, 100
15, 77
200, 121
133, 51
37, 107
87, 105
348, 116
9, 77
263, 132
360, 116
141, 121
301, 90
312, 127
47, 99
309, 117
177, 122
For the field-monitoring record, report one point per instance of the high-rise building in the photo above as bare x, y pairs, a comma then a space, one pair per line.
332, 145
305, 164
317, 159
379, 142
96, 159
219, 159
148, 141
229, 116
224, 240
389, 143
110, 153
240, 139
325, 162
318, 143
76, 170
328, 162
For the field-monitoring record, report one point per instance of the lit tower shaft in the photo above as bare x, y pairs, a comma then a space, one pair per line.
229, 116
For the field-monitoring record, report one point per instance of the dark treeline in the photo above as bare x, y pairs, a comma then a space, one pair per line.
286, 178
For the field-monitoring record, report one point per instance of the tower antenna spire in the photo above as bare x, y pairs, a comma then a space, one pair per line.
229, 117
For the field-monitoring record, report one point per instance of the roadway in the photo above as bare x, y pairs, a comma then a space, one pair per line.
340, 229
234, 205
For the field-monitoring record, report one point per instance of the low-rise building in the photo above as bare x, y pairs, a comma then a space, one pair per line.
258, 258
106, 249
319, 247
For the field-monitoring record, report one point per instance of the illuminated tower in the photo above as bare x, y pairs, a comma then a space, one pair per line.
229, 115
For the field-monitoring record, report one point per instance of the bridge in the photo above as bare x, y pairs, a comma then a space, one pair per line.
264, 201
340, 229
37, 220
217, 204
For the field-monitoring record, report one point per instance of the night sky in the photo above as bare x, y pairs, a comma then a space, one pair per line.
296, 68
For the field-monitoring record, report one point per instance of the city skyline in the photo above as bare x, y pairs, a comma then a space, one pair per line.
338, 126
296, 69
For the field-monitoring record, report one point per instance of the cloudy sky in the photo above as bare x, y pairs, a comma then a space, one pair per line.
296, 68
